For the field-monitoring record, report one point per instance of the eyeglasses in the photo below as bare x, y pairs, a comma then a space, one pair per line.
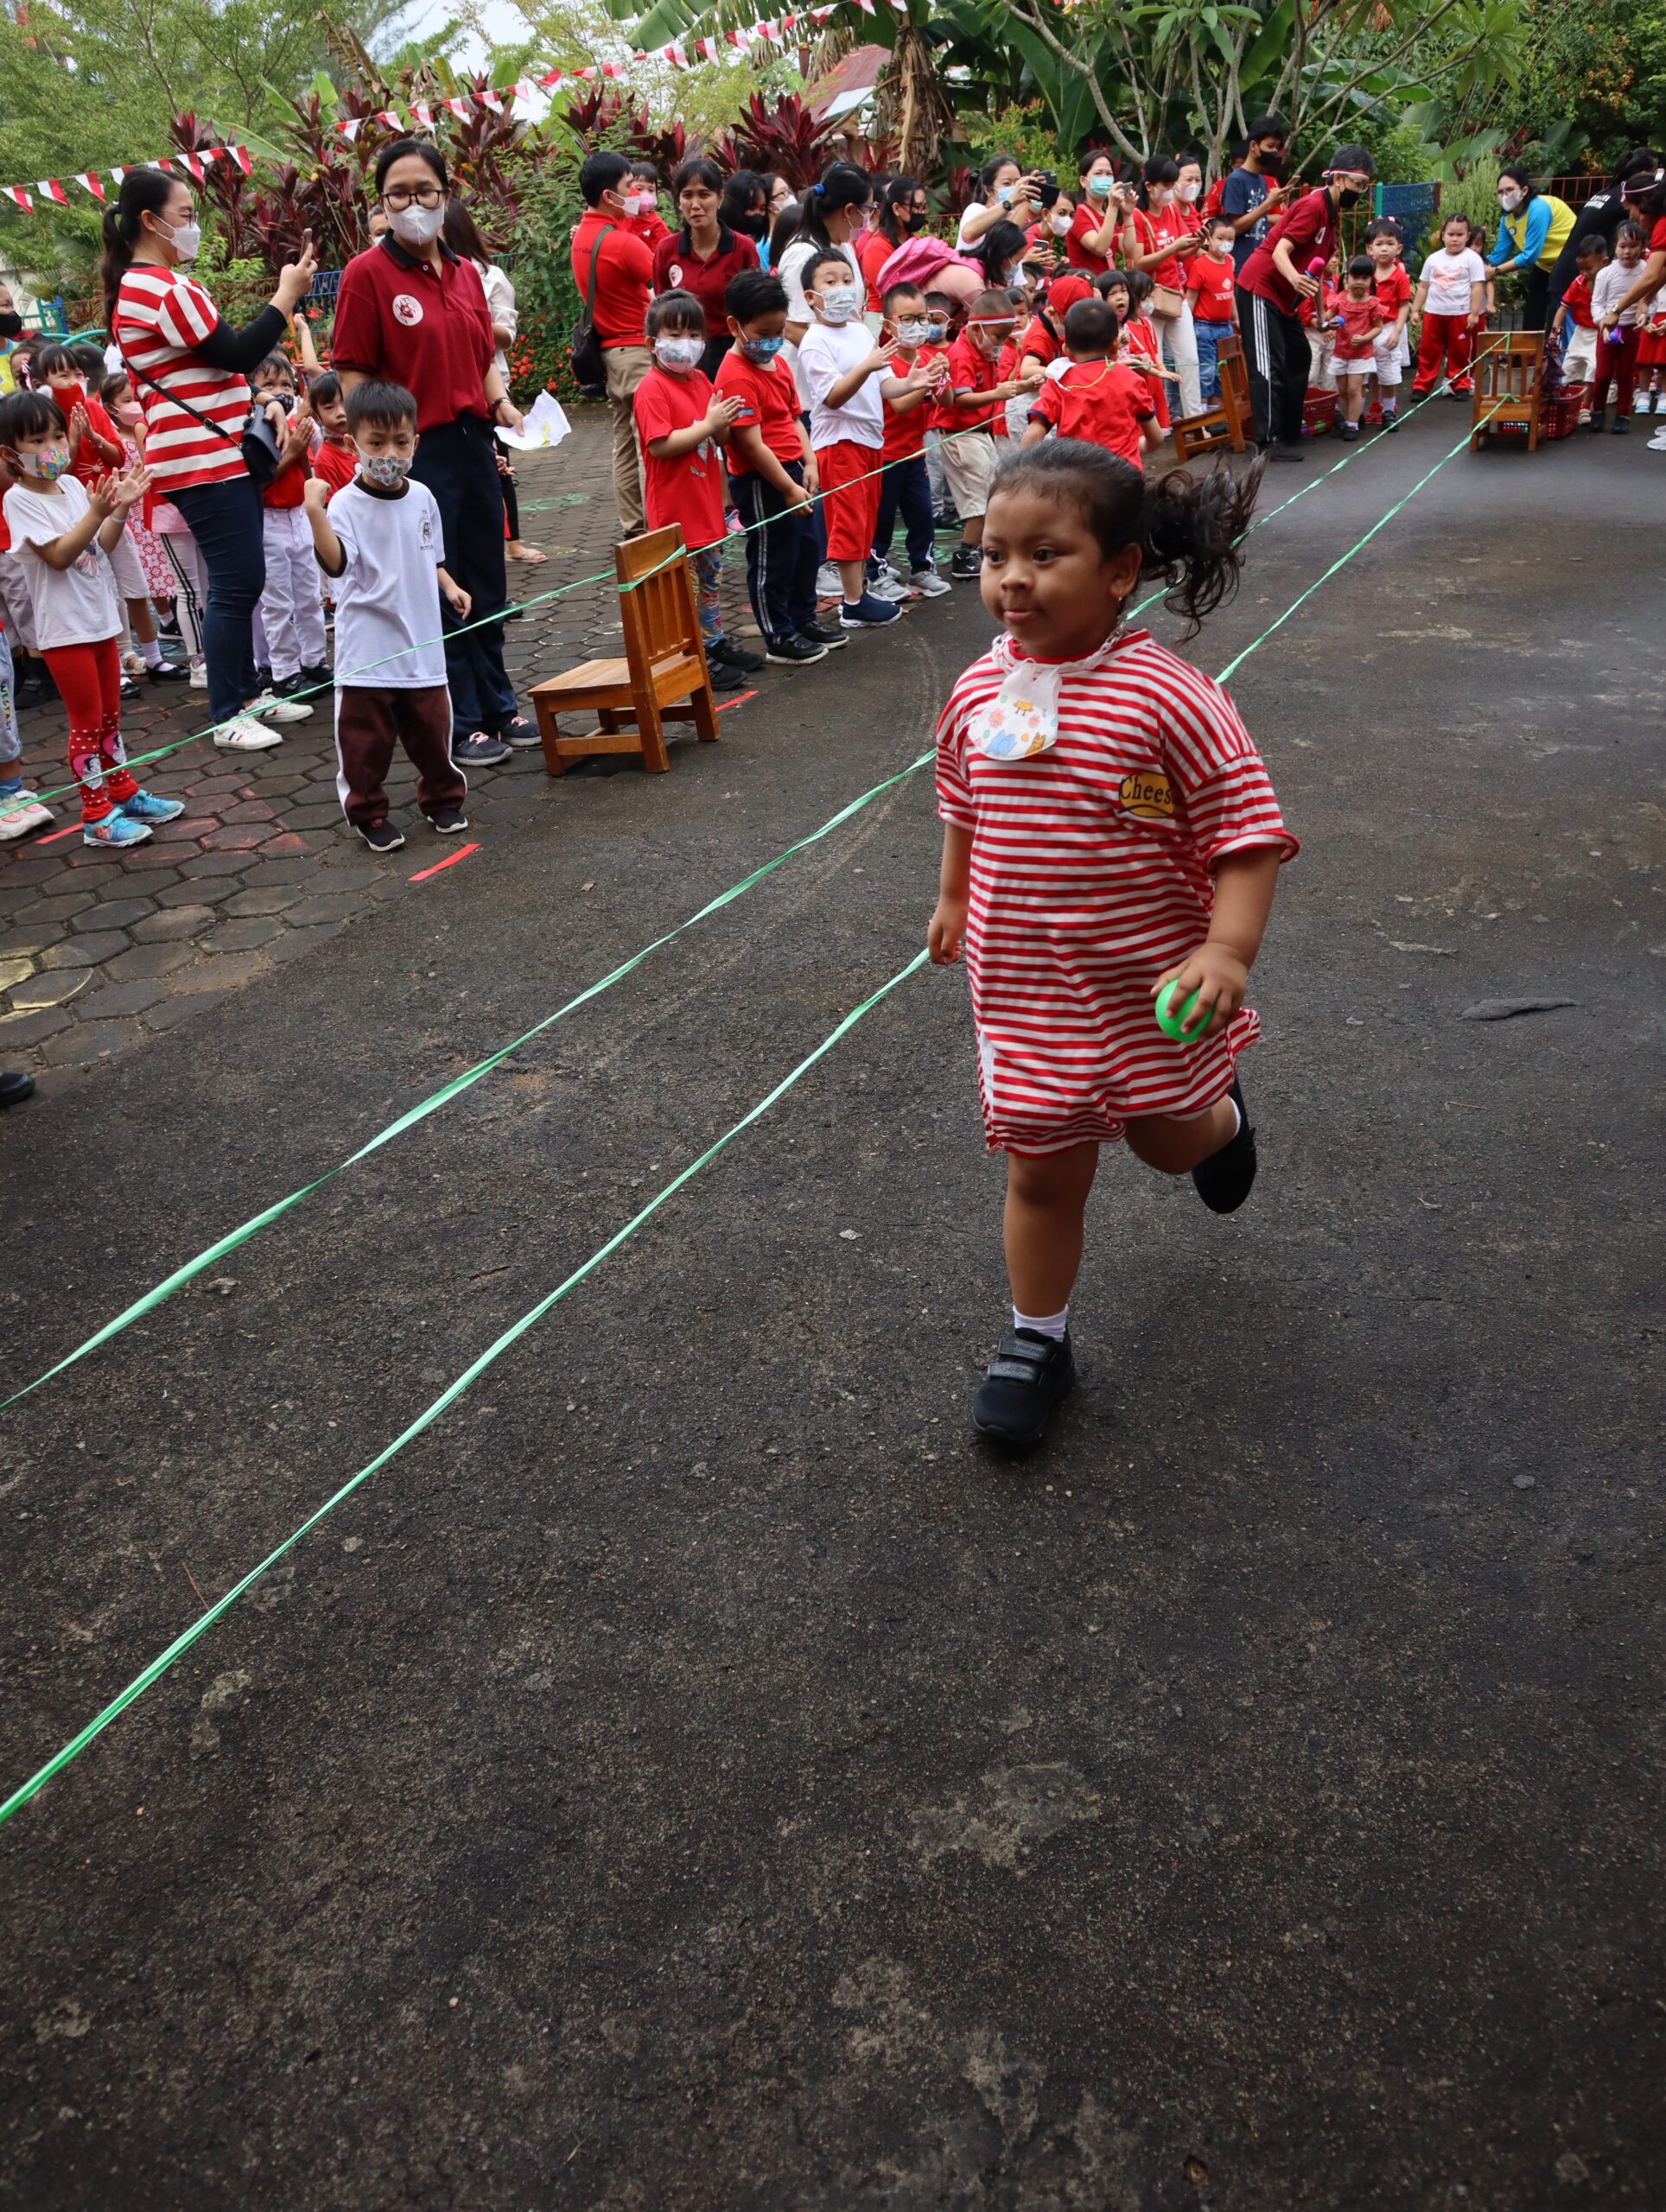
426, 195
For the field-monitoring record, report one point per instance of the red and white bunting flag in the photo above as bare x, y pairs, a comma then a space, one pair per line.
549, 77
194, 165
118, 174
493, 100
16, 192
423, 113
463, 108
705, 48
585, 76
386, 114
90, 178
675, 55
240, 155
350, 126
53, 190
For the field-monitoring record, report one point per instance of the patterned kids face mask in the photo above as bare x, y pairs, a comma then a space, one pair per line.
386, 470
1022, 718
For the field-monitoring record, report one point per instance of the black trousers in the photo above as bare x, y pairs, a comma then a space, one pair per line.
458, 461
782, 559
905, 489
1275, 354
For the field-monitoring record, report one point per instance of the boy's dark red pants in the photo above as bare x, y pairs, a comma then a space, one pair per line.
368, 725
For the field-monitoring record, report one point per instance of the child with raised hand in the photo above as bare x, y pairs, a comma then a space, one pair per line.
970, 452
906, 486
1392, 287
1574, 322
681, 427
334, 460
62, 532
1617, 330
380, 540
773, 474
1095, 398
1211, 295
848, 378
1108, 827
291, 605
1451, 300
1357, 318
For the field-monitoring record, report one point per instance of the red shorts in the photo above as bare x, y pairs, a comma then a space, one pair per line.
850, 510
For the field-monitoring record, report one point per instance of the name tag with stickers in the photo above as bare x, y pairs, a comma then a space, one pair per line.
1147, 796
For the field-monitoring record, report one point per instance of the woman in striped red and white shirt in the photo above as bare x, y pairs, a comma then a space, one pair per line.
1109, 827
189, 374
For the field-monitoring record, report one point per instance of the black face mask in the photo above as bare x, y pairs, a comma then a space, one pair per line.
1349, 199
753, 226
1272, 165
11, 326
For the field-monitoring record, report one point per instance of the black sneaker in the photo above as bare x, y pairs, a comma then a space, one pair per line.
1621, 425
723, 676
736, 655
520, 734
1287, 452
448, 820
1391, 422
1597, 421
169, 671
967, 563
1027, 1378
477, 750
321, 677
382, 836
1350, 434
824, 633
15, 1089
1223, 1181
794, 652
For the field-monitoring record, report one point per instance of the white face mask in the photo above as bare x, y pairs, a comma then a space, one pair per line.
1017, 273
1157, 194
839, 302
186, 239
1060, 226
678, 352
1509, 200
914, 334
1188, 192
416, 225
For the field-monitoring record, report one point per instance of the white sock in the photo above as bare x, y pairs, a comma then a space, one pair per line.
1043, 1324
151, 648
1237, 1118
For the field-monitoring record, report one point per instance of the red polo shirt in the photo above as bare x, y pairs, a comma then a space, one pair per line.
396, 317
676, 270
624, 272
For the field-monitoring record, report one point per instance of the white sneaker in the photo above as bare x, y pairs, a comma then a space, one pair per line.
830, 584
199, 676
246, 736
134, 663
271, 708
20, 812
887, 587
929, 584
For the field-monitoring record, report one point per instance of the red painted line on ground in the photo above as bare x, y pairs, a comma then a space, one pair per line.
739, 700
55, 835
450, 861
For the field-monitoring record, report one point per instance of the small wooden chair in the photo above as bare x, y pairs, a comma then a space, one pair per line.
1509, 364
665, 665
1229, 421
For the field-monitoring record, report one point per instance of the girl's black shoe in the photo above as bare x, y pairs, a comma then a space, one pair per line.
1028, 1375
1223, 1180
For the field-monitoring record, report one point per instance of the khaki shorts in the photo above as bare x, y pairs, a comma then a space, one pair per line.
969, 462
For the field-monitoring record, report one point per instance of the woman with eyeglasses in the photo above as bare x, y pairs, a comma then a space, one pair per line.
189, 372
410, 311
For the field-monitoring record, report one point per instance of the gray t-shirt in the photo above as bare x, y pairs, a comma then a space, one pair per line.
1243, 190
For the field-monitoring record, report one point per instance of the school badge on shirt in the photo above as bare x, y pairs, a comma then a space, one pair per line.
1147, 795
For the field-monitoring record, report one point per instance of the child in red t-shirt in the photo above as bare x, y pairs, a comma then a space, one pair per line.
906, 486
291, 606
1574, 318
1211, 295
980, 396
680, 425
1124, 292
1392, 286
1095, 398
1356, 316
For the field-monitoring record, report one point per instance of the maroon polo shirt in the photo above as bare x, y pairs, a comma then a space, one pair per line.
674, 270
396, 317
1308, 228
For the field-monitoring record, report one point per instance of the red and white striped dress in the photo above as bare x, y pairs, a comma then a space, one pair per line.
162, 316
1091, 874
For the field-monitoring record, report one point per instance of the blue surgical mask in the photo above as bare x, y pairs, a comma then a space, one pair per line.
761, 350
1100, 184
1004, 193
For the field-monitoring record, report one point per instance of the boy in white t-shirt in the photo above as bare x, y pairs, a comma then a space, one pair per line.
843, 372
381, 543
1452, 300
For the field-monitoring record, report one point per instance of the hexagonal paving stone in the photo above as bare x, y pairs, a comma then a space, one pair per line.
199, 891
168, 1013
336, 908
115, 914
28, 1030
61, 908
245, 936
271, 901
218, 972
26, 942
14, 971
318, 817
120, 999
85, 951
86, 1040
174, 923
149, 960
232, 841
287, 846
249, 809
205, 864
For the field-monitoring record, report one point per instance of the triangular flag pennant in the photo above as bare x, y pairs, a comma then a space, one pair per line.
350, 126
16, 192
493, 100
386, 114
459, 107
53, 190
423, 113
194, 165
240, 155
90, 178
118, 174
549, 77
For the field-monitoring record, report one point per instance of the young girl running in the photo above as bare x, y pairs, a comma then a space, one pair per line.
1109, 827
63, 533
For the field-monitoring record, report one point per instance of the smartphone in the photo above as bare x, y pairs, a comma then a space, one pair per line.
1046, 187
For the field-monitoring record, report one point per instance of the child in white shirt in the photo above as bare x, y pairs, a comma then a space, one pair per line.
381, 542
1452, 301
1618, 331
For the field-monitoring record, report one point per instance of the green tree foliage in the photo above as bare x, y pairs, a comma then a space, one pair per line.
1596, 83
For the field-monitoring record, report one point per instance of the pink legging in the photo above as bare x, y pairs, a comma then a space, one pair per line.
90, 679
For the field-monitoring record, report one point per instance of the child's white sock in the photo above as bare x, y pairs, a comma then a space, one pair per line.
1043, 1324
151, 648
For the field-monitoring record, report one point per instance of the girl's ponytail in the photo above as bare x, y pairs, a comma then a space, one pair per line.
144, 191
1190, 528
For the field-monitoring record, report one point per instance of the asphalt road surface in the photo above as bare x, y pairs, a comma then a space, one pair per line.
694, 1773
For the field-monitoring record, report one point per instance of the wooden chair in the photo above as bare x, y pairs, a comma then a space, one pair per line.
1229, 421
1509, 366
664, 667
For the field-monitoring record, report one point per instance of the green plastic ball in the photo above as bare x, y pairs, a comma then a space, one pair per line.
1169, 1021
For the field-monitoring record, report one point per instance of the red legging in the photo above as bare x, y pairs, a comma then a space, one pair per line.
1616, 365
1445, 337
90, 679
